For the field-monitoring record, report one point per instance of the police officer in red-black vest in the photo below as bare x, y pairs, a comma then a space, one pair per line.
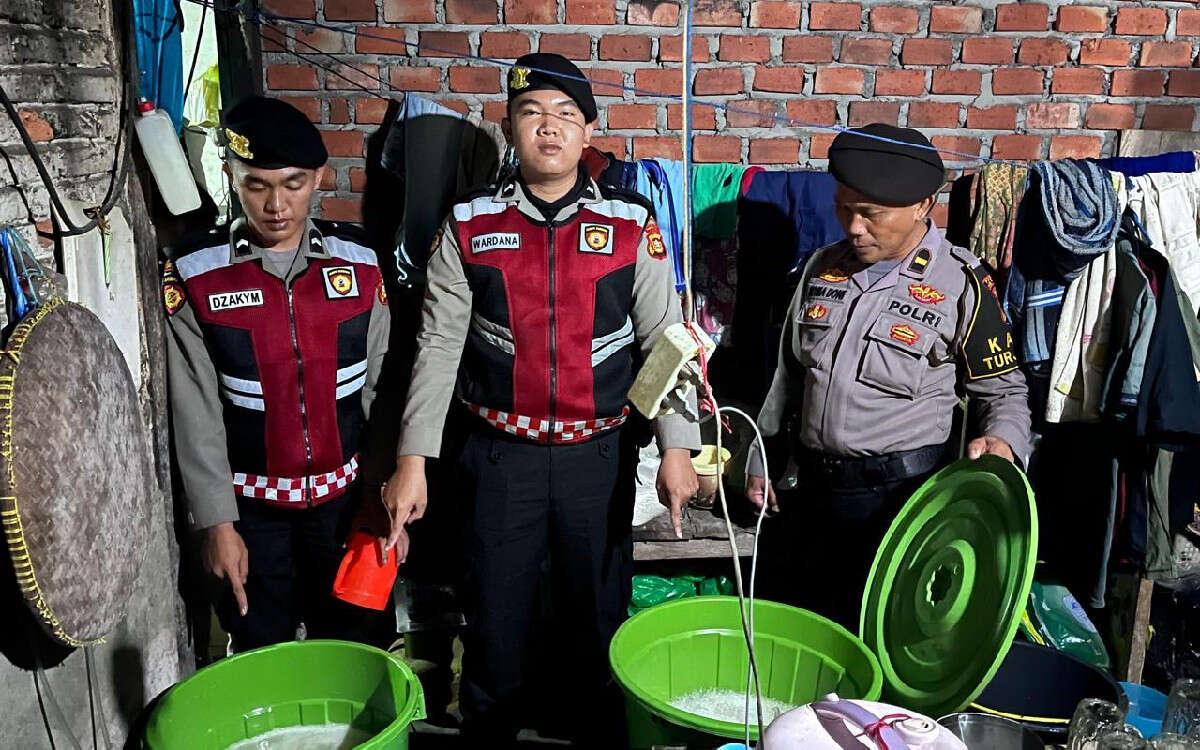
277, 328
543, 291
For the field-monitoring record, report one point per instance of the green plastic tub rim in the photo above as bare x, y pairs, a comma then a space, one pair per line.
410, 707
697, 723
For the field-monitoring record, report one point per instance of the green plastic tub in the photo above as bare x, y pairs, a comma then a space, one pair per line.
694, 644
305, 683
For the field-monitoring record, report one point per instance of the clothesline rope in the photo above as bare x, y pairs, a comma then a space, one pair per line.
263, 17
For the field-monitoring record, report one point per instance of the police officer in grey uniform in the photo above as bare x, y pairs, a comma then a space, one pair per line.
887, 330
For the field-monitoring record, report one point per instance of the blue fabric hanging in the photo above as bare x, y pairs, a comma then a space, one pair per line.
661, 182
157, 28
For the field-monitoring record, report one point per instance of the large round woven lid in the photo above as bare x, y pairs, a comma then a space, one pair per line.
75, 471
949, 584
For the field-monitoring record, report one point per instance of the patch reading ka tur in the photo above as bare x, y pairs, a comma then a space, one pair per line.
232, 300
988, 346
496, 241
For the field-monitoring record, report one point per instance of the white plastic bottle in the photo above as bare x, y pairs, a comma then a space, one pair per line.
160, 145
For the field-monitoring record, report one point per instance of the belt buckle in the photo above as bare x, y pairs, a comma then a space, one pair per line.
875, 472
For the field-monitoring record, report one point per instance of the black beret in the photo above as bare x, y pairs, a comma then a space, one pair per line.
271, 134
543, 70
898, 173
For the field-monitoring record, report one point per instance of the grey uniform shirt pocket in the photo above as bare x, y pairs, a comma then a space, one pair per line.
815, 331
895, 356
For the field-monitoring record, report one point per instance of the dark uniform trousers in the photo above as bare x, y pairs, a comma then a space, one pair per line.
293, 559
573, 503
818, 552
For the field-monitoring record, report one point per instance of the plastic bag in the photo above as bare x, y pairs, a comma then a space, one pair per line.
714, 586
651, 590
1055, 618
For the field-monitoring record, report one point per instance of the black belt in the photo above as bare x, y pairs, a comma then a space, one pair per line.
864, 471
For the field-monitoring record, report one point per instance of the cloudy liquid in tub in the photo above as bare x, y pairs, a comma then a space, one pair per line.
320, 737
729, 705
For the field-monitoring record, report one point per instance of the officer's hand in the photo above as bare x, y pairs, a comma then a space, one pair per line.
756, 487
401, 546
989, 444
405, 495
226, 557
677, 483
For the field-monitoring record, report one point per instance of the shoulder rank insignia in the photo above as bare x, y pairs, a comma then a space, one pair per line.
920, 261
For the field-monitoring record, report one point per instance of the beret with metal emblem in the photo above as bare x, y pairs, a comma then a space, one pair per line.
898, 172
271, 134
542, 71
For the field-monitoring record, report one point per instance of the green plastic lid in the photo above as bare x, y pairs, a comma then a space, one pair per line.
949, 584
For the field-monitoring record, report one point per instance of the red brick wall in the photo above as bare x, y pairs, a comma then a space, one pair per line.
58, 65
1009, 80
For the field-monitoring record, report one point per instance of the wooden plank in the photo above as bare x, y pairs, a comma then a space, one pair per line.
697, 524
1141, 632
694, 549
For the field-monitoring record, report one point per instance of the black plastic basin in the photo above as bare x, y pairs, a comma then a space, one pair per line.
1040, 688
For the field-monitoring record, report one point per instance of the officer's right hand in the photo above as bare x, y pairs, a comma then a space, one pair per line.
755, 487
405, 495
226, 557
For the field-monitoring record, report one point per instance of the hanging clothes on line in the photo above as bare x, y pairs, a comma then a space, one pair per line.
439, 154
718, 191
1168, 205
157, 31
1133, 314
1168, 415
661, 181
1135, 166
606, 169
1081, 343
1081, 212
785, 216
1068, 216
997, 192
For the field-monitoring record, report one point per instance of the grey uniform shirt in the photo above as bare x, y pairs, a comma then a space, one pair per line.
877, 367
446, 319
196, 410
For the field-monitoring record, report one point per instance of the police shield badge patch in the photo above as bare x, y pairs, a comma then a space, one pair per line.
174, 295
340, 282
595, 238
655, 247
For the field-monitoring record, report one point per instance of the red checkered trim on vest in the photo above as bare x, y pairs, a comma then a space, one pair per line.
291, 489
539, 429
